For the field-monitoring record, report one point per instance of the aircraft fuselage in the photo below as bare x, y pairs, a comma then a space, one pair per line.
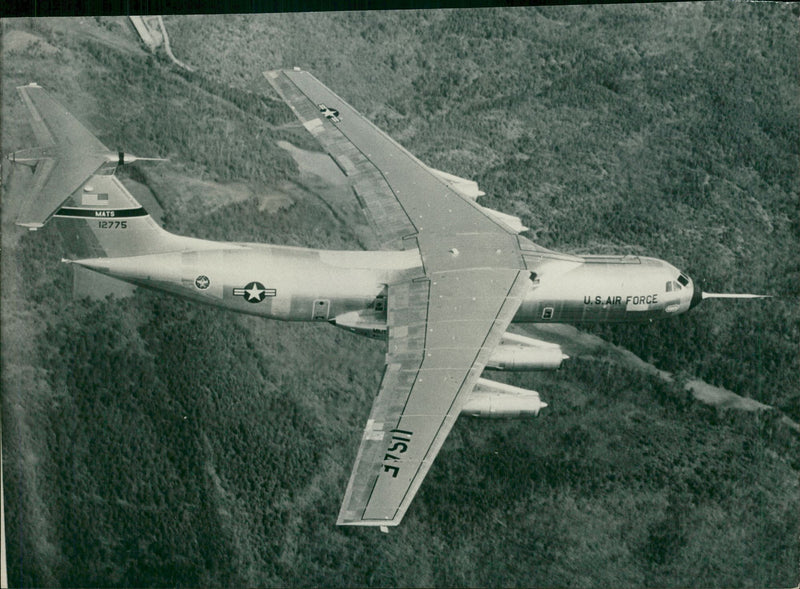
298, 284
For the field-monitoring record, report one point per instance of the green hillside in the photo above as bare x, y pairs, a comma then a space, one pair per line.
151, 442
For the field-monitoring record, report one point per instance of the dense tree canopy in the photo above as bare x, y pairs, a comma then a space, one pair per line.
149, 441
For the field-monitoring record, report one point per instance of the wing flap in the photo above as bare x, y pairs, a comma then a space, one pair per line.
372, 192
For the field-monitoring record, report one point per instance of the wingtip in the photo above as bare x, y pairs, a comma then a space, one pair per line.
272, 74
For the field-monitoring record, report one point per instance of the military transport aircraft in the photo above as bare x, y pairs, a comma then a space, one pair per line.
451, 278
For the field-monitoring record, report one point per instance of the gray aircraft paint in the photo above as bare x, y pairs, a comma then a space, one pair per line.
443, 298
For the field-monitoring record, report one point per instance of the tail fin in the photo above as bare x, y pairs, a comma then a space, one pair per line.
67, 155
104, 220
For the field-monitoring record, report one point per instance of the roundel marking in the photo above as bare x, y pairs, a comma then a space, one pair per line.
254, 292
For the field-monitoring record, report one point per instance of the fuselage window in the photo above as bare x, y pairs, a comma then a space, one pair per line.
683, 280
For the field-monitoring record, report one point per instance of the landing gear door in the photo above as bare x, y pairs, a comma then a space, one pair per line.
320, 310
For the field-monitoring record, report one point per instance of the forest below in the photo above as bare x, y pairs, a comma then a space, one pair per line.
151, 442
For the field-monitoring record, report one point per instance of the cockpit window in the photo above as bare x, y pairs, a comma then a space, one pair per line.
669, 286
683, 280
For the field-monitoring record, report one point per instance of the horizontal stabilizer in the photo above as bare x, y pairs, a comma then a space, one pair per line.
67, 156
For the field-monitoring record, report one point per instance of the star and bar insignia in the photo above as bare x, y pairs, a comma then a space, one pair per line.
254, 292
329, 113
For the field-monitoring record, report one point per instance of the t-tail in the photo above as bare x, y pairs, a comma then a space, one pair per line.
67, 156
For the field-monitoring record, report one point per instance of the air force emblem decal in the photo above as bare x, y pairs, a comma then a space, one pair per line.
254, 292
329, 113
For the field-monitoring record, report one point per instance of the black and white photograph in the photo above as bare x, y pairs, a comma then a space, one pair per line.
469, 297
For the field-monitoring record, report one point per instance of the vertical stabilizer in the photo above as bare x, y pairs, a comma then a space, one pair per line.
102, 219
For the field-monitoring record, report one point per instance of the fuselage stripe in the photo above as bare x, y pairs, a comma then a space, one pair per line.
100, 213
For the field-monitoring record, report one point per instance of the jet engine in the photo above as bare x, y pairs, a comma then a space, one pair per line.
497, 399
517, 352
469, 190
466, 188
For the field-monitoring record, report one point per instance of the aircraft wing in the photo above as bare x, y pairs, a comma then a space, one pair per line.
440, 337
442, 325
68, 155
400, 194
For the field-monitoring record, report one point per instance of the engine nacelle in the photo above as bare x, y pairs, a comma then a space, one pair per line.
514, 223
466, 188
469, 189
366, 323
497, 399
517, 352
